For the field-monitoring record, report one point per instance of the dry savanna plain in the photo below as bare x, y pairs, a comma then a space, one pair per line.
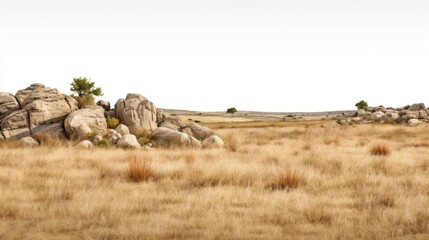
274, 179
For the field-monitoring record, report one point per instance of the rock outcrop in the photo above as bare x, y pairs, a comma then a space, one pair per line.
128, 141
213, 142
41, 109
81, 123
104, 104
38, 109
85, 144
8, 104
137, 113
412, 115
29, 142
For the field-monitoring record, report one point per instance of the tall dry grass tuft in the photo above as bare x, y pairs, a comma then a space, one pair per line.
140, 170
379, 149
287, 180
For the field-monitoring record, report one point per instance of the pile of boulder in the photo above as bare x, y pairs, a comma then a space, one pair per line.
39, 109
412, 115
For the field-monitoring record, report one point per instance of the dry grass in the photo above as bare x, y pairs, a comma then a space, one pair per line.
140, 170
273, 182
287, 180
379, 149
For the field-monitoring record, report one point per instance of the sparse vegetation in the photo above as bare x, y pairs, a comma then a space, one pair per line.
380, 149
112, 122
289, 180
231, 111
361, 104
85, 90
140, 170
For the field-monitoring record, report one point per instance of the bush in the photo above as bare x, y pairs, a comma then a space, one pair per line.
361, 104
379, 149
112, 122
287, 180
84, 101
140, 170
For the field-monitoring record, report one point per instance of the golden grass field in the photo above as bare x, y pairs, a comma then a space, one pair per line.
293, 180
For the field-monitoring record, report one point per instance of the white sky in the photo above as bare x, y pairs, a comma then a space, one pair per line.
298, 55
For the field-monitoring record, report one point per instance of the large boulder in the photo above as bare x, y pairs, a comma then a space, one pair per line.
417, 107
85, 144
377, 116
138, 113
170, 136
104, 104
8, 103
172, 123
29, 142
213, 142
83, 122
15, 125
43, 109
199, 132
413, 122
128, 141
122, 129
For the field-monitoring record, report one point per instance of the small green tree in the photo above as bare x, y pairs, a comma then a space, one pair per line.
231, 111
85, 90
361, 104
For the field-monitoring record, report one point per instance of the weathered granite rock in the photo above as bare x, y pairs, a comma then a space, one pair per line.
167, 135
200, 132
85, 144
213, 142
128, 141
83, 122
29, 142
137, 113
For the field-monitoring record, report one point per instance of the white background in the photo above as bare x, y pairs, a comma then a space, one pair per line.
301, 55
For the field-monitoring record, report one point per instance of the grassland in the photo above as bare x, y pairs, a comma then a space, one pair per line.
273, 180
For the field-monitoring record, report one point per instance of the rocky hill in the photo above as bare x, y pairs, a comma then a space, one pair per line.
43, 110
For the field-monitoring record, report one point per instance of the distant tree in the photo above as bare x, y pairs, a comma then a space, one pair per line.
361, 104
85, 90
231, 111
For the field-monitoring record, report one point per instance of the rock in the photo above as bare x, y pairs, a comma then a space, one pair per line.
97, 139
138, 113
111, 113
200, 132
167, 135
122, 129
82, 122
85, 144
43, 109
115, 138
104, 104
417, 107
8, 104
356, 119
392, 117
423, 114
128, 141
160, 116
345, 122
377, 116
413, 122
360, 113
172, 123
188, 131
195, 142
15, 125
213, 142
29, 142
